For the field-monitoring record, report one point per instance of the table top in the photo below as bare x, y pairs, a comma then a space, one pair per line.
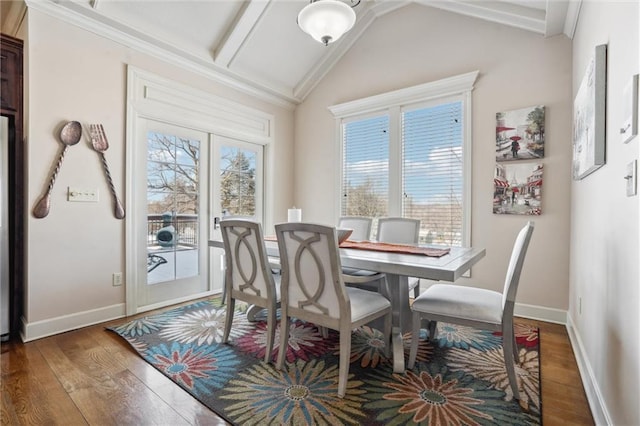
449, 267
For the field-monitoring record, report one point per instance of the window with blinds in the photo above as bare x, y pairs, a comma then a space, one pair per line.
432, 171
429, 163
365, 165
408, 153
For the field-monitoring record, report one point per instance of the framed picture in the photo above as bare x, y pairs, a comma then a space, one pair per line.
517, 189
629, 127
520, 134
589, 133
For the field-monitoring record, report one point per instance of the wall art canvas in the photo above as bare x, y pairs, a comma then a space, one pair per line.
517, 188
520, 134
589, 133
629, 128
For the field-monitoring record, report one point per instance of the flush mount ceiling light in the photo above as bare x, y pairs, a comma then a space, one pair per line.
327, 20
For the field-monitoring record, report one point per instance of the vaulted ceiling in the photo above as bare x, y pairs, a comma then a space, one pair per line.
256, 45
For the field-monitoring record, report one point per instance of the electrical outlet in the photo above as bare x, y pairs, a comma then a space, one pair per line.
116, 279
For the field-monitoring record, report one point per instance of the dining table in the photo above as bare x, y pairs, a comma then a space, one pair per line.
398, 267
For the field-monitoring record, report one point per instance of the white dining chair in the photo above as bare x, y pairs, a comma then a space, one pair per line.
274, 262
248, 274
313, 290
395, 230
398, 230
476, 307
361, 227
401, 230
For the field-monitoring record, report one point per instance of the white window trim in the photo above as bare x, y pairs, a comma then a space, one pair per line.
459, 86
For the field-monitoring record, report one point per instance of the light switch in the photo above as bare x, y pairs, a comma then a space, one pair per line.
631, 178
82, 194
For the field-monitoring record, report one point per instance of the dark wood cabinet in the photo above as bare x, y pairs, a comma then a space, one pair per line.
11, 75
11, 106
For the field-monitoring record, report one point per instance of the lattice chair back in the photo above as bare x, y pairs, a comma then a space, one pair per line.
248, 275
247, 265
311, 279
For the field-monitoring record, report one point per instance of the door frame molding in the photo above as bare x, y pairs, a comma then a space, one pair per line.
150, 96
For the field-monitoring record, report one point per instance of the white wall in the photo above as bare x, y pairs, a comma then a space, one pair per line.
78, 75
604, 228
518, 69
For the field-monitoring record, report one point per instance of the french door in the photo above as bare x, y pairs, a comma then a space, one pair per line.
185, 181
172, 204
236, 190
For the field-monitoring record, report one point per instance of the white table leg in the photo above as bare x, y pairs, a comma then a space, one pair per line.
399, 292
399, 289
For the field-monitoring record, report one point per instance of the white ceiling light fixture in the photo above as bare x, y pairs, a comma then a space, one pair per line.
327, 20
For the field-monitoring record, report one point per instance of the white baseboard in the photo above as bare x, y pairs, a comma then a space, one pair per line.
540, 313
594, 395
39, 329
45, 328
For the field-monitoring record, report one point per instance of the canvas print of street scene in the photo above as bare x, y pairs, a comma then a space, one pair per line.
520, 134
517, 189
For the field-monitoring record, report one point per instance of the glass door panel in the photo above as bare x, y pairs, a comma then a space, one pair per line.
172, 206
238, 181
236, 189
176, 216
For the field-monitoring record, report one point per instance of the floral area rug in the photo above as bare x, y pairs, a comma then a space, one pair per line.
459, 379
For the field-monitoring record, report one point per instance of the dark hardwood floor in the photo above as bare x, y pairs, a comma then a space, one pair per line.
91, 376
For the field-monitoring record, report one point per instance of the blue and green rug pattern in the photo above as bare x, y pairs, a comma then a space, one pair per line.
459, 379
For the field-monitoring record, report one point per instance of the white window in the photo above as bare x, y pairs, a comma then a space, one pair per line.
408, 153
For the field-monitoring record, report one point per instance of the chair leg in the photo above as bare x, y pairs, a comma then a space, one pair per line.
229, 319
383, 288
284, 339
433, 330
345, 356
511, 371
415, 338
507, 350
387, 333
224, 288
271, 332
516, 354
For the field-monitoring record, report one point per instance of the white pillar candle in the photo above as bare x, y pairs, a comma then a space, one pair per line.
294, 215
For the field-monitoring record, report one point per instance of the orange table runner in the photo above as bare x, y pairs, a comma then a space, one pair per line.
387, 247
394, 248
